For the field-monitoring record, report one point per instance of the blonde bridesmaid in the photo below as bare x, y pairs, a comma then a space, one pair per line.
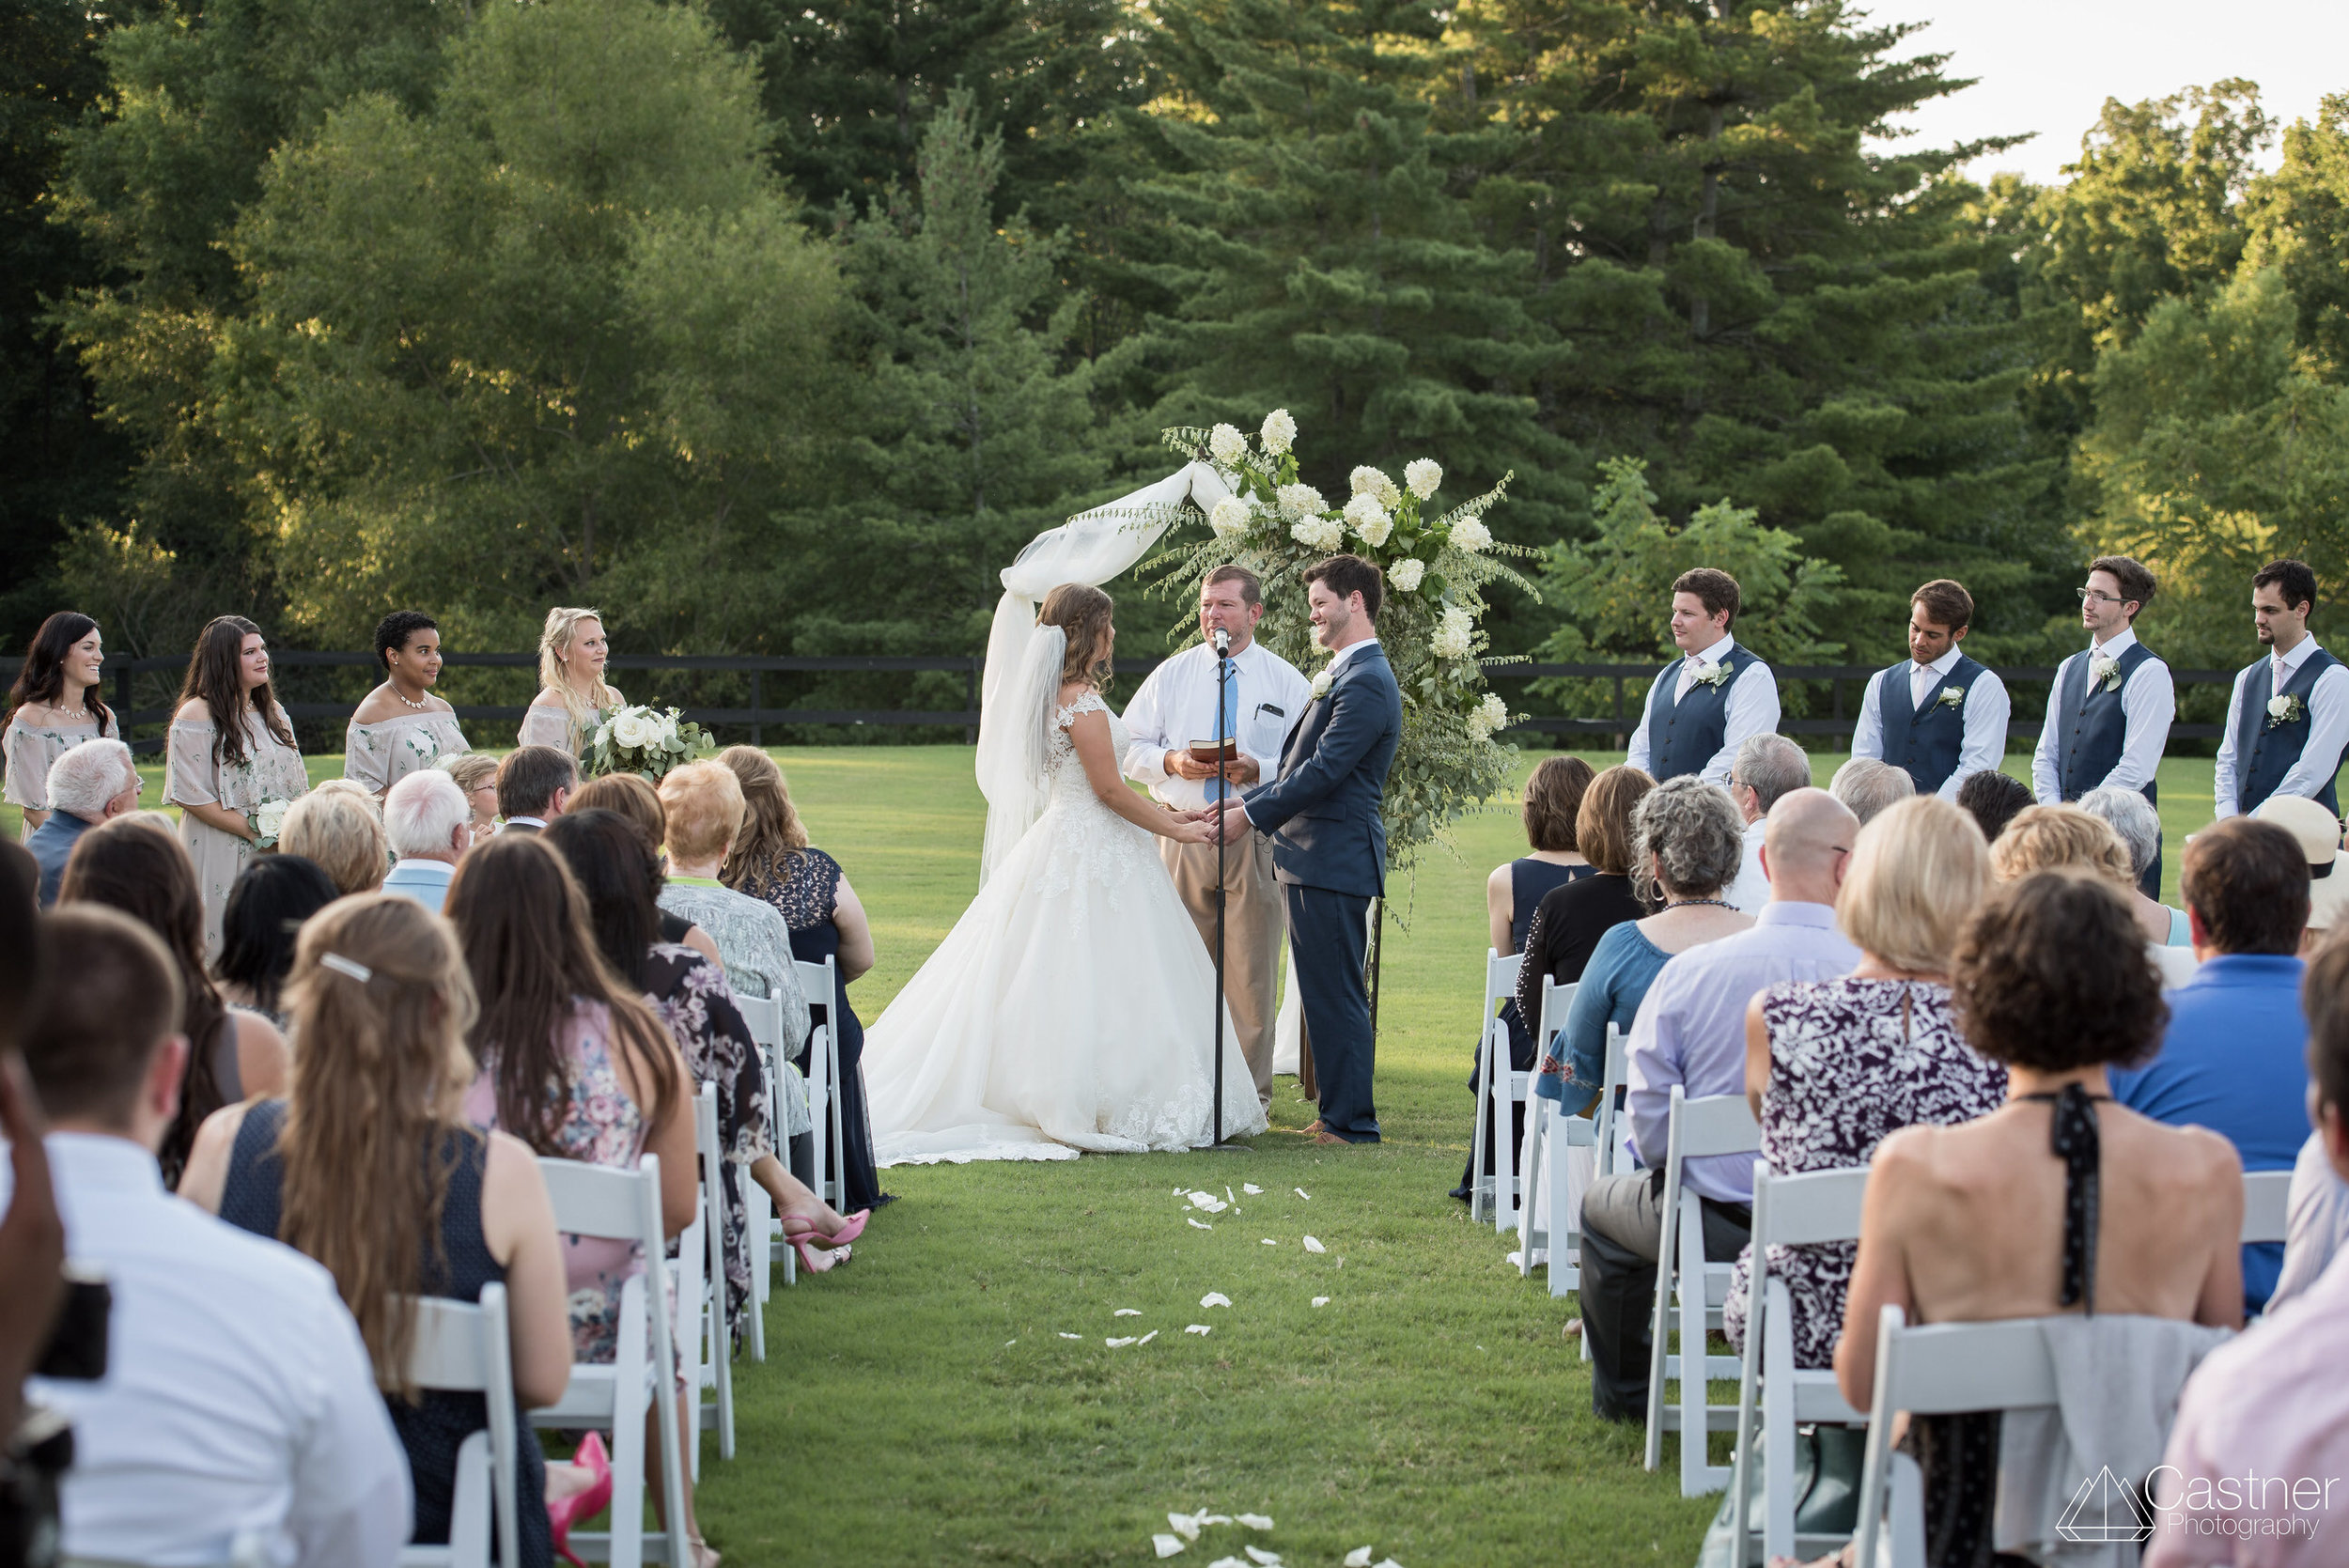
401, 727
53, 707
231, 750
571, 654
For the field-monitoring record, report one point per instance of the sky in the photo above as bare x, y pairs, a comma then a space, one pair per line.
2048, 66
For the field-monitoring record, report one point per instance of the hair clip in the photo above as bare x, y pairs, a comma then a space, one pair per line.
351, 967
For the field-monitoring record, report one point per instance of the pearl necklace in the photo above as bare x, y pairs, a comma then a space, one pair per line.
424, 707
57, 710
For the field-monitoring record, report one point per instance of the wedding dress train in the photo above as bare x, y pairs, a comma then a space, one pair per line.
1068, 1009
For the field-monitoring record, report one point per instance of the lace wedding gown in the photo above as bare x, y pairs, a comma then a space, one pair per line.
1068, 1010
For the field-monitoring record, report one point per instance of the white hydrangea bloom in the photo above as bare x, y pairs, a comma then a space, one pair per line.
1366, 480
1318, 532
1495, 711
1299, 501
1229, 518
1227, 445
1404, 574
1390, 493
1479, 727
1370, 520
1469, 534
1280, 432
1424, 477
1455, 638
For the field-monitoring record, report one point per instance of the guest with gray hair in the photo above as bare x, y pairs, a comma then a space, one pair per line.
93, 783
2131, 816
1685, 844
1868, 787
1767, 767
430, 824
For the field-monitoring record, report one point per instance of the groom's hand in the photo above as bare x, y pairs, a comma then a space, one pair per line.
1236, 823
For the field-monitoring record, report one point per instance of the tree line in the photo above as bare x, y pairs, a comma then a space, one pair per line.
776, 328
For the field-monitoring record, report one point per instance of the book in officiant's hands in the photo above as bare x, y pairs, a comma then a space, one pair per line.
1208, 753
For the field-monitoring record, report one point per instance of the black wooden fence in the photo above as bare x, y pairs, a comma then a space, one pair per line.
1844, 686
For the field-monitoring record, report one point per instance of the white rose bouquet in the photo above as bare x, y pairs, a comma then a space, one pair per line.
643, 740
267, 820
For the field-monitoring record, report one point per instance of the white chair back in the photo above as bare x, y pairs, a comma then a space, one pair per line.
2267, 1206
464, 1349
821, 981
1539, 1226
1582, 1149
1505, 1089
1709, 1126
1500, 984
702, 1291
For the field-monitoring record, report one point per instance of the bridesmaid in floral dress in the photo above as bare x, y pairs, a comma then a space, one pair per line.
53, 707
231, 750
571, 653
401, 727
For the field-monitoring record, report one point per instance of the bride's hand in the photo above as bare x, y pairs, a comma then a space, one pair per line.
1191, 828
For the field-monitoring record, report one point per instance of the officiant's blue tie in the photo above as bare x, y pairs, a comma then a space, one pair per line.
1217, 789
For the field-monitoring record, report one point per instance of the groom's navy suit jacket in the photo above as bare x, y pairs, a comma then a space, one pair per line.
1323, 811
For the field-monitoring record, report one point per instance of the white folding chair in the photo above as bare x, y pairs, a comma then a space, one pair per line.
1707, 1125
1940, 1369
821, 981
1505, 1089
1573, 1139
464, 1349
764, 1017
1790, 1211
1500, 984
617, 1396
2267, 1206
1537, 1213
702, 1293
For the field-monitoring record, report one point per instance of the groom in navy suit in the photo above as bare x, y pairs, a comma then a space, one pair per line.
1329, 842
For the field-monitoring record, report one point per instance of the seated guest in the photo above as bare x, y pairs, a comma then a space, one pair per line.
534, 784
1685, 844
132, 866
2133, 817
690, 994
430, 824
1868, 785
369, 1166
574, 1065
1553, 794
2273, 1404
267, 904
2058, 1203
2046, 838
32, 1238
2318, 831
1993, 799
2234, 1057
238, 1399
1767, 767
1690, 1031
96, 782
2318, 1208
1832, 1066
342, 829
634, 797
477, 776
704, 805
772, 859
1570, 921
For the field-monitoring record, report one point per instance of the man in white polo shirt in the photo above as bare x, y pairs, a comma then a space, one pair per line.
1175, 707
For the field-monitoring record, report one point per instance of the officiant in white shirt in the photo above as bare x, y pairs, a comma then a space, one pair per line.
1176, 710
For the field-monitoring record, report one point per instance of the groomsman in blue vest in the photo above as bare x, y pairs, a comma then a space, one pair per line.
1939, 715
2108, 713
2289, 718
1703, 708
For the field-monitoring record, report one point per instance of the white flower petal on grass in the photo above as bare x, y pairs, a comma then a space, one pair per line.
1358, 1557
1424, 477
1072, 1335
1199, 1224
1389, 1562
1126, 1311
1259, 1556
1215, 1299
1229, 1563
1215, 1518
1166, 1546
1253, 1521
1513, 1260
1148, 1338
1185, 1525
1302, 1193
1199, 1328
1270, 1242
1251, 1189
1226, 445
1008, 1343
1119, 1344
1280, 432
1321, 1300
1312, 1245
1201, 1200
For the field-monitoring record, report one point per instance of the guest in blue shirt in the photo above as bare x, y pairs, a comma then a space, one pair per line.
428, 823
89, 785
2235, 1057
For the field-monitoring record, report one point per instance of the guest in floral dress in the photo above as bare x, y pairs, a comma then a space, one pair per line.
573, 696
1835, 1066
771, 860
401, 727
230, 751
53, 707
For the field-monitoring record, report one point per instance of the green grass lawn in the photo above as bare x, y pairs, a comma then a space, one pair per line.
919, 1406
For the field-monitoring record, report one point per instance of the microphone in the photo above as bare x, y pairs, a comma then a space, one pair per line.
1222, 643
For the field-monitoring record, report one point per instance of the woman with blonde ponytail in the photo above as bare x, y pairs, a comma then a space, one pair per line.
369, 1166
573, 649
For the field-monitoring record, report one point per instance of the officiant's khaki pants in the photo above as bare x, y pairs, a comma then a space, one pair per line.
1254, 920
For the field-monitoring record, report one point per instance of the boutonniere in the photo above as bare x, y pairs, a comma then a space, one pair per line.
1323, 681
2285, 710
2104, 672
1719, 674
1951, 696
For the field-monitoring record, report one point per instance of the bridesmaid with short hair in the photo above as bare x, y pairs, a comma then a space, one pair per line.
573, 696
401, 727
231, 749
53, 707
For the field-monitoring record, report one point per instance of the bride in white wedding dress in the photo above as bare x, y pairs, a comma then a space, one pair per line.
1070, 1007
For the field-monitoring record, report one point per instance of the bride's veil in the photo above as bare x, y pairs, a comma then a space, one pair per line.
1015, 743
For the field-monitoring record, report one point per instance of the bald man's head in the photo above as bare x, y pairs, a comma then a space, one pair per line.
1806, 844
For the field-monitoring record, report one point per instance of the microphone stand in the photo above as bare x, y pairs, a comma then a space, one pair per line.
1223, 641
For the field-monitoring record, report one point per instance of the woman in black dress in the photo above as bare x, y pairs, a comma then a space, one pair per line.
773, 861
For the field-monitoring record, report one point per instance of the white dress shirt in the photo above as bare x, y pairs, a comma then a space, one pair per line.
2328, 727
2148, 702
1751, 890
1177, 705
1987, 708
1750, 708
239, 1405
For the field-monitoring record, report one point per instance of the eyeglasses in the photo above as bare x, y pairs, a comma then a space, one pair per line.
1842, 849
2090, 596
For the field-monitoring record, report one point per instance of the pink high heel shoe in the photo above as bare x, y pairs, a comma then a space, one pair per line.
562, 1515
849, 1230
818, 1261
